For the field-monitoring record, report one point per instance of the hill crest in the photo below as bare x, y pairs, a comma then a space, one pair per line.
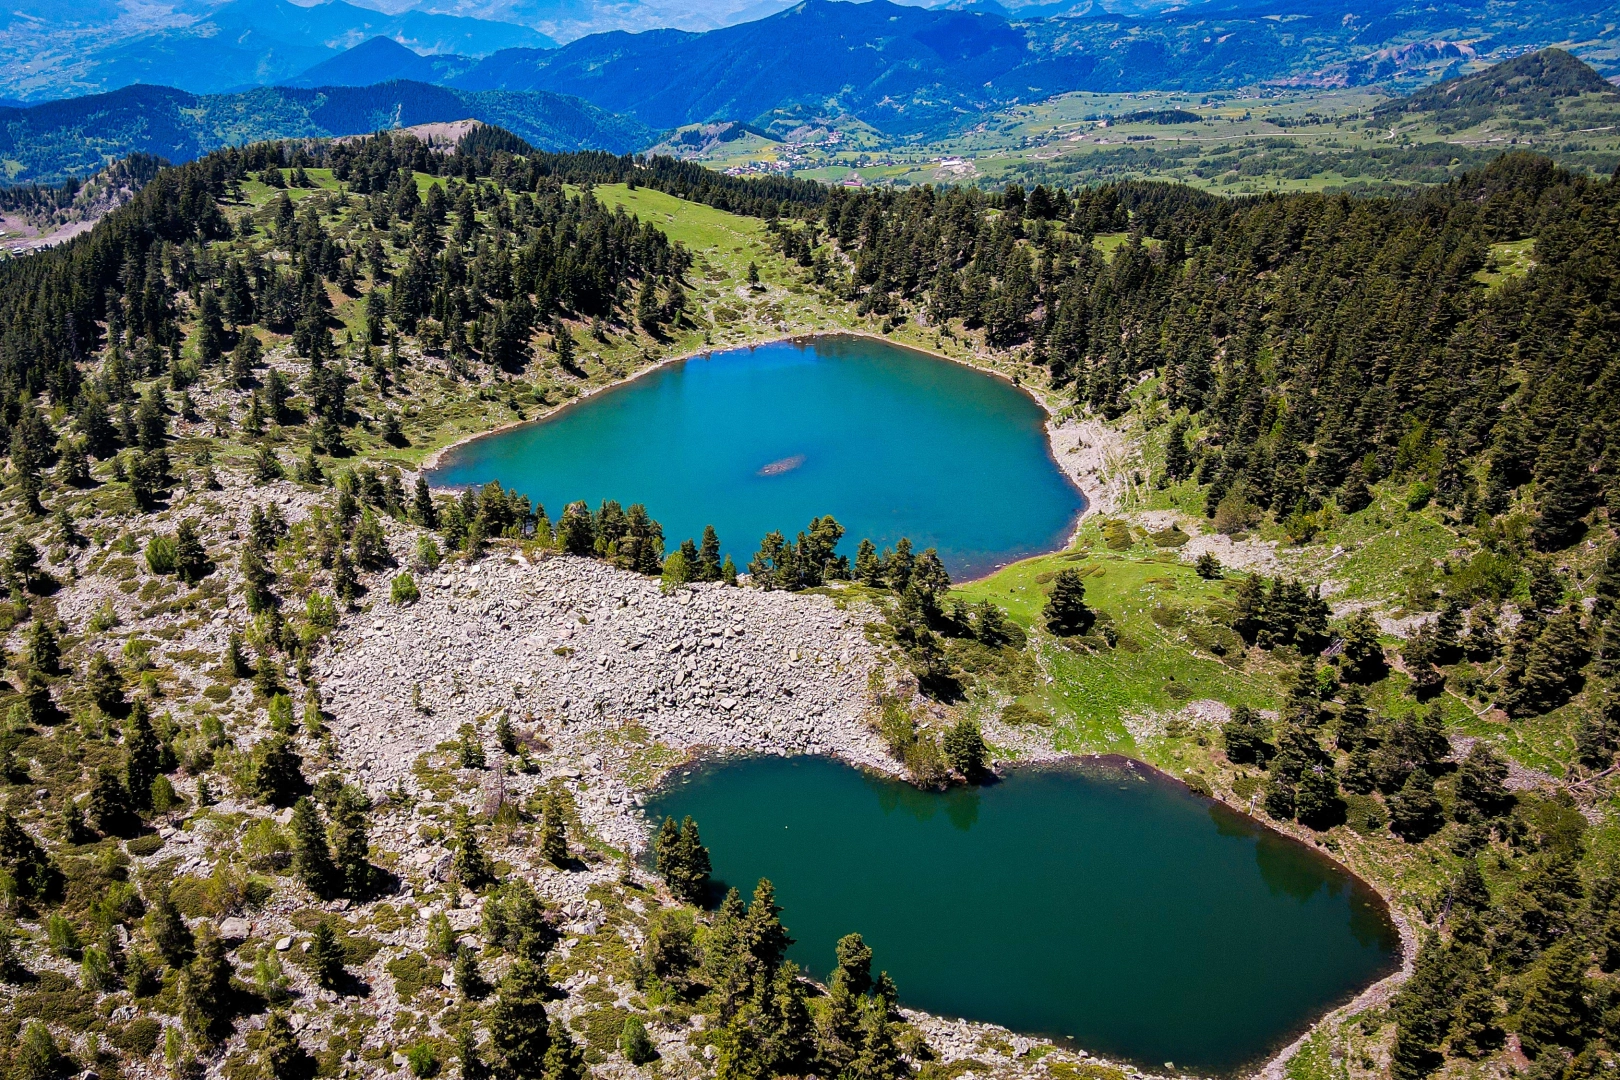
1531, 84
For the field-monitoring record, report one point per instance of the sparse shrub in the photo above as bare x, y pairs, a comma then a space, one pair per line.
423, 1060
162, 555
64, 938
1018, 713
634, 1043
402, 590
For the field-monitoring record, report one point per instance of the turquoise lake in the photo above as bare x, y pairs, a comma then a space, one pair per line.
1093, 902
889, 441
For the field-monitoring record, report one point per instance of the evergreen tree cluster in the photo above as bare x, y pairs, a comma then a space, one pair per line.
491, 251
683, 860
1531, 952
766, 1023
333, 859
1321, 343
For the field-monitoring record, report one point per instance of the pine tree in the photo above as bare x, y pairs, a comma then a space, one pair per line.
1280, 796
1552, 1010
1476, 1028
236, 664
708, 562
108, 809
1066, 613
281, 1055
167, 931
1317, 803
554, 831
1468, 889
848, 990
519, 1033
423, 512
469, 980
326, 958
1414, 812
1177, 458
22, 857
1361, 660
142, 756
1480, 787
762, 934
151, 421
36, 1055
868, 570
683, 860
351, 847
468, 1058
470, 865
345, 583
257, 581
191, 559
370, 545
564, 1060
1245, 737
106, 685
311, 857
964, 748
647, 309
634, 1042
207, 1002
1563, 487
1423, 1011
25, 464
278, 771
1551, 666
44, 650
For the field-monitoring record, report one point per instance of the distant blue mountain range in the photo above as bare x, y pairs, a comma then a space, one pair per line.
914, 71
237, 45
50, 142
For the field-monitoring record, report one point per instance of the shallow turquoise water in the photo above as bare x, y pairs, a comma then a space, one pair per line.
889, 441
1095, 902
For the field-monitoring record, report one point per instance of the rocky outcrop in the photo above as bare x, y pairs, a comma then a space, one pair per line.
597, 664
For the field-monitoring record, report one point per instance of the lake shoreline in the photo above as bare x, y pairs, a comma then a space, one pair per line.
1093, 457
435, 458
1084, 452
1268, 1066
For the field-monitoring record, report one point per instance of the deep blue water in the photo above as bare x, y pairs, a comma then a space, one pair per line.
889, 441
1091, 902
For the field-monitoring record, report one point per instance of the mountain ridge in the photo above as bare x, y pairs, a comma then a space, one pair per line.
56, 140
915, 71
1532, 84
382, 59
904, 69
246, 43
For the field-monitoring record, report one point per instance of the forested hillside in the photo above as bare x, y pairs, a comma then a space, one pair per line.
1530, 87
1309, 368
1323, 343
1399, 410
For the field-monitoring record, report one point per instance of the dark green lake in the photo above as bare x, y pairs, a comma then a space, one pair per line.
1090, 902
889, 441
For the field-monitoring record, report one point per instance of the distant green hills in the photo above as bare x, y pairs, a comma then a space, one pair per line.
1529, 96
51, 142
1530, 87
